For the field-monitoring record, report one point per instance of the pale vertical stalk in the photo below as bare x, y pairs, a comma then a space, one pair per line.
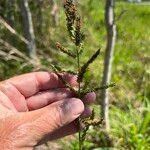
111, 37
54, 12
28, 27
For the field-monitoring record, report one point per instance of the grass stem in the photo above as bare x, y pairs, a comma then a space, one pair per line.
79, 95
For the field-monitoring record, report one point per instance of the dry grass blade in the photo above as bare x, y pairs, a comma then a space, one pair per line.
12, 53
13, 31
6, 56
12, 50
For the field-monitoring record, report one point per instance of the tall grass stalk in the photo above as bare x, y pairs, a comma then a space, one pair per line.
73, 24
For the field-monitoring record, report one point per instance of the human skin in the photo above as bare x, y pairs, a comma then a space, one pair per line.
36, 107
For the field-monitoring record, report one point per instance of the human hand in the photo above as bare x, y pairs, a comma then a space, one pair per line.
36, 107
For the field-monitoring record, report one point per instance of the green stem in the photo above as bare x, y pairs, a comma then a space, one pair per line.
80, 140
79, 95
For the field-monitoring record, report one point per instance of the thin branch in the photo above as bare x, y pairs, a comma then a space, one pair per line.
120, 15
13, 31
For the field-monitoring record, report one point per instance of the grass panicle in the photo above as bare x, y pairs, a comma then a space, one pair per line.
70, 11
79, 36
73, 24
90, 122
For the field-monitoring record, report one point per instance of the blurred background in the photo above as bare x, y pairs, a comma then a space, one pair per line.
28, 33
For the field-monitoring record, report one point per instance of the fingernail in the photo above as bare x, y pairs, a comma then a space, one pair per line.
73, 106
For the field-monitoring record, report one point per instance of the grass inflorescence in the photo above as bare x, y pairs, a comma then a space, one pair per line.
74, 24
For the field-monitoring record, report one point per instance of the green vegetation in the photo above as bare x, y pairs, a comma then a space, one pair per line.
130, 99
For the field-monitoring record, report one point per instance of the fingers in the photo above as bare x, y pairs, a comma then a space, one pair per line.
12, 96
51, 122
62, 132
39, 100
5, 102
69, 129
53, 117
45, 98
89, 98
72, 127
31, 83
27, 85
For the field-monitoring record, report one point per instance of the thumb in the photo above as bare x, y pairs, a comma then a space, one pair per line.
52, 117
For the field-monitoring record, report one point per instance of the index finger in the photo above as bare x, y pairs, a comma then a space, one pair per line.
32, 83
